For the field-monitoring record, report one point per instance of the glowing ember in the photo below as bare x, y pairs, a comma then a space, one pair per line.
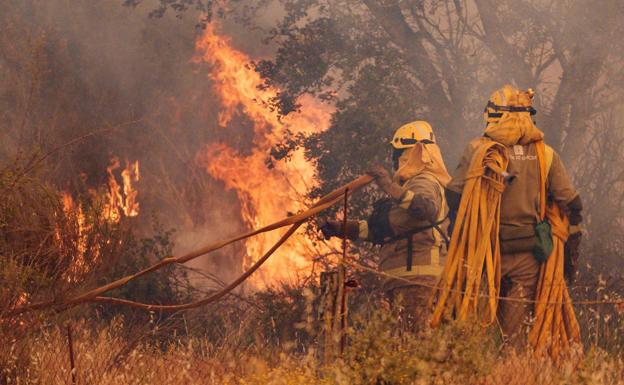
266, 195
22, 299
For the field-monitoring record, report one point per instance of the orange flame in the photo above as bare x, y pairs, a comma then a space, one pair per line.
119, 202
75, 213
129, 175
22, 299
265, 195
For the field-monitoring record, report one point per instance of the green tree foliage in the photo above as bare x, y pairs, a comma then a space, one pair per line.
385, 63
167, 286
388, 62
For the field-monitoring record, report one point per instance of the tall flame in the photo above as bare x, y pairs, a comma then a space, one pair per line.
265, 194
74, 212
120, 200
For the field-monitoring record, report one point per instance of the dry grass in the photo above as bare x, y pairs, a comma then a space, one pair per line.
376, 354
267, 339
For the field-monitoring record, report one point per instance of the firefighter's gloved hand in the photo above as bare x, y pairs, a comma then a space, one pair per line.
333, 228
380, 173
384, 181
329, 228
571, 256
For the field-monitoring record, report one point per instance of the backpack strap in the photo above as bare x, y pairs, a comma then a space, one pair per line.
540, 149
549, 153
408, 237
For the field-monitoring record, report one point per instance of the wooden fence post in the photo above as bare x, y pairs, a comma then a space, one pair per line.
333, 304
72, 363
332, 313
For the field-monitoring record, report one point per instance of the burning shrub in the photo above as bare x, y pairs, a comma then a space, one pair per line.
48, 245
53, 244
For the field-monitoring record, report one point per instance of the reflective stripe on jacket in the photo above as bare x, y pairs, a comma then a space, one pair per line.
428, 246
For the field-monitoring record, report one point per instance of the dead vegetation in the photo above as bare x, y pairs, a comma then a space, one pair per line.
376, 354
269, 337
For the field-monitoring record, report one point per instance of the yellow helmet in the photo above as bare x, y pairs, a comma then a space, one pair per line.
415, 132
508, 99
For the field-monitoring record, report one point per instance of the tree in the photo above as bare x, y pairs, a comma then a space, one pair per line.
389, 62
449, 55
386, 62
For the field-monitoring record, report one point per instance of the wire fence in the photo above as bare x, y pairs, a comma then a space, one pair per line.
196, 348
67, 348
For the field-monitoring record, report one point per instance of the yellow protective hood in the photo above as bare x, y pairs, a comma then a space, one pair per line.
511, 127
419, 159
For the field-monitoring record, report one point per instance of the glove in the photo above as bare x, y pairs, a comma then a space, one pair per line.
571, 256
380, 174
384, 181
333, 228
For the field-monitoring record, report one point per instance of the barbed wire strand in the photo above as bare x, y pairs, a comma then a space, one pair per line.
295, 221
410, 282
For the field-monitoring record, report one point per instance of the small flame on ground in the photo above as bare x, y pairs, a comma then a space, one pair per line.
266, 195
78, 266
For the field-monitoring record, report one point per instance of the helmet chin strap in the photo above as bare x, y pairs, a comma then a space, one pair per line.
396, 155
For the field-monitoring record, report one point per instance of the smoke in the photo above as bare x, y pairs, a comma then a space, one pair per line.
128, 83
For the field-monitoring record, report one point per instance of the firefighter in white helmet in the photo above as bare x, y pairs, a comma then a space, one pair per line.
410, 224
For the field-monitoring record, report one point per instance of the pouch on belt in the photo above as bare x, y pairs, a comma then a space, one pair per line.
536, 239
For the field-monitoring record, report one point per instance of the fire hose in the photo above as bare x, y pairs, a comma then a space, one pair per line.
295, 221
474, 257
474, 252
556, 328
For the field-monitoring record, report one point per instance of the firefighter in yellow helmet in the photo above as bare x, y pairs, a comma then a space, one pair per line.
509, 121
410, 223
